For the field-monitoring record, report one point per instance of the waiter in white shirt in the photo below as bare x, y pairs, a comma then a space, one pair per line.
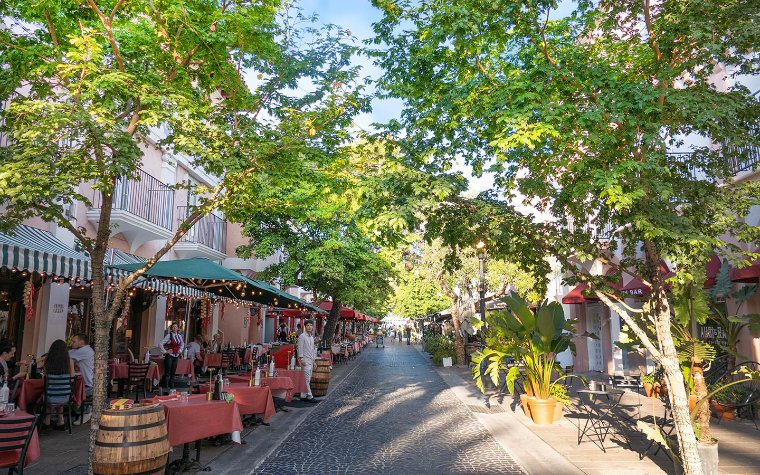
171, 346
307, 353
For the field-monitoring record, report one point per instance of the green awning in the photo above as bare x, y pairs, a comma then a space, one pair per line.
200, 273
34, 250
286, 297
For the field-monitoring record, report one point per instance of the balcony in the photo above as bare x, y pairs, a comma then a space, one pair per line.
207, 238
743, 159
142, 209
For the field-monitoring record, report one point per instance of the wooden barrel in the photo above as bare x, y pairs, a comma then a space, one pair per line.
131, 441
320, 377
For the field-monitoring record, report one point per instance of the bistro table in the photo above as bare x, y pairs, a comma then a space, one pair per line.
281, 386
184, 367
32, 450
250, 399
298, 377
31, 392
196, 419
598, 406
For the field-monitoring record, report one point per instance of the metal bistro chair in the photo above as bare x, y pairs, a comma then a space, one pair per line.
138, 379
228, 356
59, 386
15, 435
243, 366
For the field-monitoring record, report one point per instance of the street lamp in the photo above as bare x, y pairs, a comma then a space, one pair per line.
481, 246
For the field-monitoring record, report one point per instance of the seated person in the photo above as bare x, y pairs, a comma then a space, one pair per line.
58, 367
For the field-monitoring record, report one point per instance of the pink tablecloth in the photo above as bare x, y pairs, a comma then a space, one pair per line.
184, 367
250, 400
32, 451
277, 383
298, 377
31, 392
197, 419
121, 371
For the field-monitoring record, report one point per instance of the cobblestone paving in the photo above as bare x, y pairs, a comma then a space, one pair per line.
391, 414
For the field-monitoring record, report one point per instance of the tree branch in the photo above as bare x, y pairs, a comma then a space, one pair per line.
640, 333
109, 32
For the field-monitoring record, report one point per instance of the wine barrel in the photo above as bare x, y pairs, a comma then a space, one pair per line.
131, 441
320, 377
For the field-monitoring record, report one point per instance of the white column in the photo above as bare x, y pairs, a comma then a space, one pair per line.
53, 311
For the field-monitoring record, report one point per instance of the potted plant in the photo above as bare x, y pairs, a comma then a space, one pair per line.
651, 383
534, 339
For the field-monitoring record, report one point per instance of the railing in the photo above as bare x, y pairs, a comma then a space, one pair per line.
743, 159
147, 198
210, 230
594, 231
682, 158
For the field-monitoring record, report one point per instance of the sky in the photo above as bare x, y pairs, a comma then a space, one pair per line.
358, 16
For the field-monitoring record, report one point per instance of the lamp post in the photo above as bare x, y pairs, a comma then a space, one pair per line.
481, 246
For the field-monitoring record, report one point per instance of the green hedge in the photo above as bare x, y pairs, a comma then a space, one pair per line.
439, 347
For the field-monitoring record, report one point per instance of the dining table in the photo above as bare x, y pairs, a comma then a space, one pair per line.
281, 386
31, 391
11, 455
194, 420
299, 379
250, 399
184, 367
121, 371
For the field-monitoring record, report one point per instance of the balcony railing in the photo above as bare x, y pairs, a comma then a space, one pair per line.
742, 159
210, 230
147, 198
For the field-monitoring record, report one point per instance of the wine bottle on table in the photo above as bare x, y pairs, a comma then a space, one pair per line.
218, 387
271, 368
257, 377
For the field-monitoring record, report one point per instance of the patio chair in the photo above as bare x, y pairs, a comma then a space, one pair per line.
138, 379
243, 366
15, 435
59, 386
228, 357
748, 393
626, 382
664, 423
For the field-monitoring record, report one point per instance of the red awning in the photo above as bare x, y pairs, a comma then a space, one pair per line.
637, 288
346, 313
749, 274
581, 292
713, 268
577, 297
294, 313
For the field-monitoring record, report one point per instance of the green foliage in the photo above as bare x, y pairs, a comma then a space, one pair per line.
439, 347
531, 338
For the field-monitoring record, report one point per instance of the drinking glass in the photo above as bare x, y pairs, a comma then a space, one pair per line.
10, 407
172, 392
183, 397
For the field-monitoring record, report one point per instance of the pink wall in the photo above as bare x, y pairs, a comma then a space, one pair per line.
580, 360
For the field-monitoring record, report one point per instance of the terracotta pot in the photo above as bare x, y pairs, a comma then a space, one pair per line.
558, 411
524, 403
542, 410
648, 389
722, 411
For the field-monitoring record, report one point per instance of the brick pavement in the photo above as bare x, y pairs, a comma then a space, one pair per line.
392, 413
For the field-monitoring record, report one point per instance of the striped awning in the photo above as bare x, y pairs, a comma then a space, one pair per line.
116, 257
35, 250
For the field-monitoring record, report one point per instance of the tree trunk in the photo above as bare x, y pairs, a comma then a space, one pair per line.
679, 402
458, 338
332, 323
703, 413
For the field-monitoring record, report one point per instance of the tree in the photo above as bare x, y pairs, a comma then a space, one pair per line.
88, 82
459, 282
575, 116
336, 262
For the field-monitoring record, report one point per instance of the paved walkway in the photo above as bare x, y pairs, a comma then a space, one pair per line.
392, 413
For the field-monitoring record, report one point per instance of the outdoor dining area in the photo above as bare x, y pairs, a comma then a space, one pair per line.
242, 388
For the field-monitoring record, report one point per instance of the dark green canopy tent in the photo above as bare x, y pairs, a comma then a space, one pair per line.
215, 279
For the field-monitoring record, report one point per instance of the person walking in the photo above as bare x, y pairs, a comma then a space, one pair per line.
408, 332
400, 331
307, 353
172, 346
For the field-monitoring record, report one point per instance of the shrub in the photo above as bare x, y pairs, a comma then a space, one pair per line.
439, 347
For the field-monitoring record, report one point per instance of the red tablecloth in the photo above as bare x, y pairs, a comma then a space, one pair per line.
282, 356
32, 451
197, 419
31, 392
121, 371
184, 367
277, 383
251, 400
298, 377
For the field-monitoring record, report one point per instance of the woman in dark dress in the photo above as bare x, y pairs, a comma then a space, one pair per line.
58, 367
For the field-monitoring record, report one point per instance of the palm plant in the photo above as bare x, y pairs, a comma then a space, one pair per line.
531, 338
